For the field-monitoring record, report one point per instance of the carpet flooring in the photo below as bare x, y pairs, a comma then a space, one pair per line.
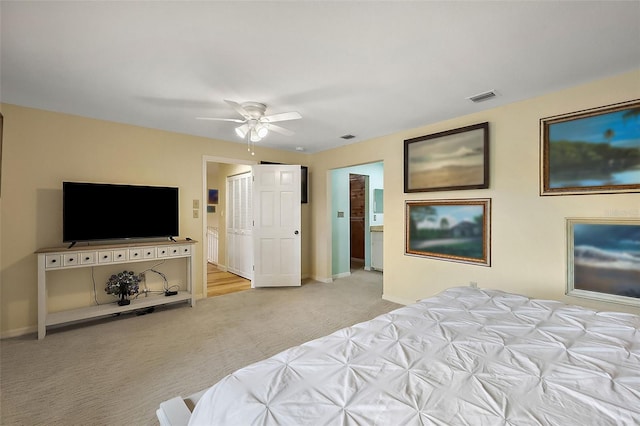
117, 371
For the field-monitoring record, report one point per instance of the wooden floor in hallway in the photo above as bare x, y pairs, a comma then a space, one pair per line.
220, 282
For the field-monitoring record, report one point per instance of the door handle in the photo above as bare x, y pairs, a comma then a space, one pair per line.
296, 232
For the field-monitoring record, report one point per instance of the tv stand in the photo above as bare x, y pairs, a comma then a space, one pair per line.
62, 258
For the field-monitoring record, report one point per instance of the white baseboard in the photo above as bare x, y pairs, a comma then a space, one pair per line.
341, 275
398, 300
19, 332
322, 280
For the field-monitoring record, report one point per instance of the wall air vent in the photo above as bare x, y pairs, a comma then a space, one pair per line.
482, 96
347, 137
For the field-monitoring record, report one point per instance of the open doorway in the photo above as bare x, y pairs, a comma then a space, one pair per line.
340, 199
258, 218
218, 279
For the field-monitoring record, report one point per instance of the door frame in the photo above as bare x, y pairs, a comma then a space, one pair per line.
331, 212
203, 206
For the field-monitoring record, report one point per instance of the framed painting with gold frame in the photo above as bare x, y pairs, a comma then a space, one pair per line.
454, 230
591, 151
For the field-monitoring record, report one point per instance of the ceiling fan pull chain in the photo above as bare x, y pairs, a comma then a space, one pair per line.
250, 144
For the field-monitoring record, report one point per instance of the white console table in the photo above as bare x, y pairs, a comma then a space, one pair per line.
57, 258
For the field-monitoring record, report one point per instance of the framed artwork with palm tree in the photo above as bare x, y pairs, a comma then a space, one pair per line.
591, 151
453, 230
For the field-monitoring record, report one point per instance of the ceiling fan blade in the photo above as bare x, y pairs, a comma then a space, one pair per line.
239, 109
278, 129
233, 120
283, 116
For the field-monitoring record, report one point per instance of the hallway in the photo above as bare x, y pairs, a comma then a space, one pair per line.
221, 282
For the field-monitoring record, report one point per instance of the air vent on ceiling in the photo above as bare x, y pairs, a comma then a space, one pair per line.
482, 96
347, 137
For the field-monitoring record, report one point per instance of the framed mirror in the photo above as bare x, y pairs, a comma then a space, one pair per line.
378, 206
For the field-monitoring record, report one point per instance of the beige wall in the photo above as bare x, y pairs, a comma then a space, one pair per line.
528, 231
42, 149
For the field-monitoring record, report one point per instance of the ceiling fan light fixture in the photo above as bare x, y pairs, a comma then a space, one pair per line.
261, 130
255, 124
254, 136
241, 131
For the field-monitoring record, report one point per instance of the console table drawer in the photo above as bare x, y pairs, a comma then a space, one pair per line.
119, 255
88, 258
149, 253
105, 256
53, 261
135, 254
70, 259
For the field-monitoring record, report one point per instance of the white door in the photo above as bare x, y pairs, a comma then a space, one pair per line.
239, 225
276, 228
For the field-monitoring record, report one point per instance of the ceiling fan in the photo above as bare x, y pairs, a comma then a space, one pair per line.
255, 124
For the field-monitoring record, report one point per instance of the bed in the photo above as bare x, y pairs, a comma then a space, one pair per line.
463, 357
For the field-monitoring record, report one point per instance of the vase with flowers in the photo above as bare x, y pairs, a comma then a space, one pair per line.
123, 285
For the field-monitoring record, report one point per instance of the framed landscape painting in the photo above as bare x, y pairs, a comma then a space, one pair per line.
454, 230
450, 160
603, 259
591, 151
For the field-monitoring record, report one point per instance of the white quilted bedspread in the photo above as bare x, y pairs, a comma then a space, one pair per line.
464, 357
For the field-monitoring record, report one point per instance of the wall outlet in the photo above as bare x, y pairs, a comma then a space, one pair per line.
473, 284
195, 213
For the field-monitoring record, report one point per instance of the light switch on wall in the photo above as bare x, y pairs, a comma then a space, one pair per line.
195, 213
196, 204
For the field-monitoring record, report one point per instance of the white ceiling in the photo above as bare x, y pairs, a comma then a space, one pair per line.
365, 68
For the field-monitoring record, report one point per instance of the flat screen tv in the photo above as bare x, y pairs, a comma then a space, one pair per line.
98, 211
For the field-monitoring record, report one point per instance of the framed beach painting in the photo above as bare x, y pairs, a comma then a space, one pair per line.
603, 259
591, 151
454, 230
449, 160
